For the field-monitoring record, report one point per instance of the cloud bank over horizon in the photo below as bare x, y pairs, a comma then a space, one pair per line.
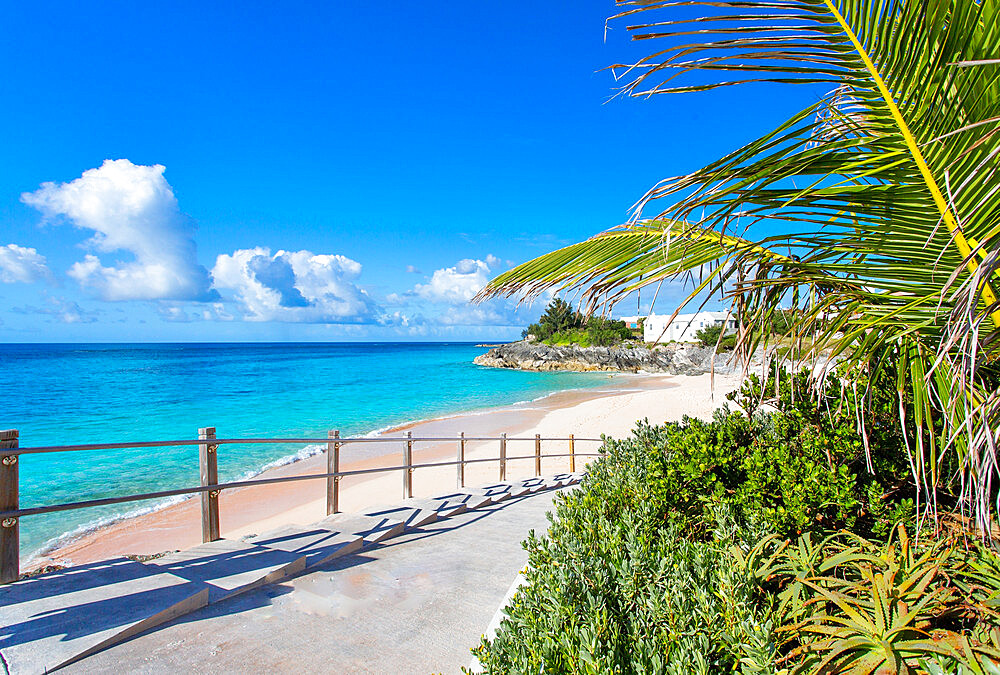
130, 211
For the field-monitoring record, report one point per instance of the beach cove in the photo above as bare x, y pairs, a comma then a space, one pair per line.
111, 393
247, 512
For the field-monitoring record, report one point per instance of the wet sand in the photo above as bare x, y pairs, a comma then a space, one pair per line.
611, 410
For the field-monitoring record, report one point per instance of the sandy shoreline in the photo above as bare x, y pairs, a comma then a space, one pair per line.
611, 410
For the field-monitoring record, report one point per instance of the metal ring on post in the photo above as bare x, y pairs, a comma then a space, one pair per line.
8, 522
214, 493
10, 460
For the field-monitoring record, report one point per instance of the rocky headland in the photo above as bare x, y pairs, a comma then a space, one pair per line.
671, 359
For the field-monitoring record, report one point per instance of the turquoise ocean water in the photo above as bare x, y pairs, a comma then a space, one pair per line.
67, 394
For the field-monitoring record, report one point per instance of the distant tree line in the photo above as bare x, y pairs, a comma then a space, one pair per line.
560, 324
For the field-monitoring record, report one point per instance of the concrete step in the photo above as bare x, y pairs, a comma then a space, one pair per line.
498, 492
372, 529
562, 479
52, 620
442, 507
516, 489
532, 484
472, 498
231, 567
318, 545
493, 494
412, 516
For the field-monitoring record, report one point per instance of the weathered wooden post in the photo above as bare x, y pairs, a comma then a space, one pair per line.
332, 467
10, 566
460, 467
572, 454
209, 460
407, 466
538, 454
503, 456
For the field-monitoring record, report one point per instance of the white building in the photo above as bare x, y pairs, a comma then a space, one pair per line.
684, 326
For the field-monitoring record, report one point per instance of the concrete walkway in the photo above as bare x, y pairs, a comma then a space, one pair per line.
415, 603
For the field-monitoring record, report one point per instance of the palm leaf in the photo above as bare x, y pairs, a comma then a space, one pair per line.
887, 191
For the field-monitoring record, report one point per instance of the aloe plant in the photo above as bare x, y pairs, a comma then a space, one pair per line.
885, 195
879, 609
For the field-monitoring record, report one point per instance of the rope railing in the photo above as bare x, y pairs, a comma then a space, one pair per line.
210, 488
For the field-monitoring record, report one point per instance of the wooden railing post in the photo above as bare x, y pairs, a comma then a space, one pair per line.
332, 467
460, 467
408, 466
209, 461
572, 454
503, 456
10, 544
538, 454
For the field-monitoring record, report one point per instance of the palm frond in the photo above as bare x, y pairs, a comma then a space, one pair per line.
887, 192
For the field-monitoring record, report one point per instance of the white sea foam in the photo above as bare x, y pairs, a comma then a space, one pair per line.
86, 528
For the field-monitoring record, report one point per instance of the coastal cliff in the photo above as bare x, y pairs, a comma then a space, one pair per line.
672, 359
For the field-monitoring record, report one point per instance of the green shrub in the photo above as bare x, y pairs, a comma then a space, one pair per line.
562, 325
614, 588
673, 556
709, 335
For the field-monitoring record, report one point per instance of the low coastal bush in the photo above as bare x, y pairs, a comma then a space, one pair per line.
614, 587
758, 543
711, 336
560, 324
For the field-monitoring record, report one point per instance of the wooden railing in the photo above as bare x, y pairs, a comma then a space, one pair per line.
210, 487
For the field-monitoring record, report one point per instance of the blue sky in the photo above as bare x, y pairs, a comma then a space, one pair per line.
319, 171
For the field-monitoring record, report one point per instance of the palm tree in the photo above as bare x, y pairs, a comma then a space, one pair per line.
890, 182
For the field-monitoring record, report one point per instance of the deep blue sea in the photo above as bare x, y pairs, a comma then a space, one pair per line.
67, 394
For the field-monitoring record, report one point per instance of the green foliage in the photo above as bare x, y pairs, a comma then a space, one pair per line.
709, 335
655, 564
560, 315
854, 605
561, 325
603, 332
853, 223
782, 322
613, 588
751, 544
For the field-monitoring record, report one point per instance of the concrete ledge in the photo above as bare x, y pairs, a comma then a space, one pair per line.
562, 479
498, 492
532, 484
412, 516
444, 508
231, 567
516, 489
318, 545
472, 498
372, 529
52, 620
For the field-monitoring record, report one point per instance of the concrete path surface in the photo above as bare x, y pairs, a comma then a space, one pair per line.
414, 604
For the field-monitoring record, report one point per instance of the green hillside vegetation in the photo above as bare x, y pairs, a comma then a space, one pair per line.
561, 325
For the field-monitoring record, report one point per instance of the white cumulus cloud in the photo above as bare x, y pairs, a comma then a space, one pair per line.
456, 285
295, 286
129, 208
21, 264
